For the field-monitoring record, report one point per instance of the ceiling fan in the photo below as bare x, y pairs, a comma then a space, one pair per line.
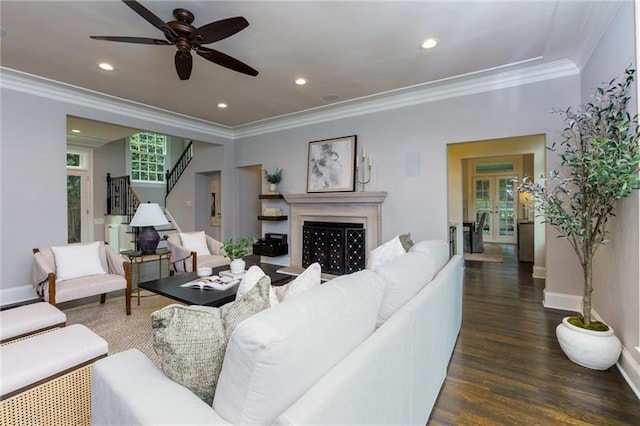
186, 37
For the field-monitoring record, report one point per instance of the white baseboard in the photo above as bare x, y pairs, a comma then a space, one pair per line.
539, 272
630, 370
563, 302
23, 293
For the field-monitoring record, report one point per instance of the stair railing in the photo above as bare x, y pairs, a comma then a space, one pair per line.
122, 200
174, 174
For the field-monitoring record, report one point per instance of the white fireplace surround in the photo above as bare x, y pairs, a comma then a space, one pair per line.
345, 207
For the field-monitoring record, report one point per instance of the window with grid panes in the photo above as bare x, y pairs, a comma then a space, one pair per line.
148, 152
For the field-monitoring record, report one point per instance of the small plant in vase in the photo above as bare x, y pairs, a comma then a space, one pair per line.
600, 160
236, 250
273, 179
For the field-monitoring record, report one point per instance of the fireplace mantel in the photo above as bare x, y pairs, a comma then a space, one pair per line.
348, 207
336, 198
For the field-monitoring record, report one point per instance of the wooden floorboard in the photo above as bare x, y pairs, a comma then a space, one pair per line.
507, 367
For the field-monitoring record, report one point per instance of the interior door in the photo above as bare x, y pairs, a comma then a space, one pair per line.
492, 194
78, 215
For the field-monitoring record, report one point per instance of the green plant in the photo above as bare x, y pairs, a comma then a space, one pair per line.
599, 154
237, 249
274, 177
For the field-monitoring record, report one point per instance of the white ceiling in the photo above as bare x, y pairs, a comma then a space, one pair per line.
352, 49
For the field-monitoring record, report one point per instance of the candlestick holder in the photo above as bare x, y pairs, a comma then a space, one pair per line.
366, 171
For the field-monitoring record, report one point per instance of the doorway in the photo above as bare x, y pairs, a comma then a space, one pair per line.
79, 196
492, 195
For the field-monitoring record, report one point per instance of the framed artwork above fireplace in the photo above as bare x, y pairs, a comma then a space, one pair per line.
332, 165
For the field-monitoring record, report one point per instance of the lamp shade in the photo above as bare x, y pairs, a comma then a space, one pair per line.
149, 214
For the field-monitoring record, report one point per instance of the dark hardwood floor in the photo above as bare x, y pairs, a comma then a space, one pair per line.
507, 367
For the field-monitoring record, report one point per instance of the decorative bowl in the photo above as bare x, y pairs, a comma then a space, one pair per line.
205, 271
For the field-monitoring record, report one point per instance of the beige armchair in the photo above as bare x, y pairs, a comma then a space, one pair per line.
190, 250
80, 270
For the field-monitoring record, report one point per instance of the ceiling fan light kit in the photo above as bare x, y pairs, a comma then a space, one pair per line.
185, 37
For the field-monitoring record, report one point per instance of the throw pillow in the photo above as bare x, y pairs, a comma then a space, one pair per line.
384, 253
195, 241
77, 260
191, 340
438, 250
406, 241
307, 280
250, 279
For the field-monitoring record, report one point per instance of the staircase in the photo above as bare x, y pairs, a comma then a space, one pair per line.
122, 203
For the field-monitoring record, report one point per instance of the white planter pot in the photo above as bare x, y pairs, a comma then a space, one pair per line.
597, 350
273, 188
237, 266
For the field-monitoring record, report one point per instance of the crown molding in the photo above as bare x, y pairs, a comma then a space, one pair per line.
593, 28
465, 85
469, 84
52, 89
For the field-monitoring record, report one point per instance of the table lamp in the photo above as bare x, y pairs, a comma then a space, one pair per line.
147, 216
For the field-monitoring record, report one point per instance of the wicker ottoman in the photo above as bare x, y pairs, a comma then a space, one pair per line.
46, 379
27, 320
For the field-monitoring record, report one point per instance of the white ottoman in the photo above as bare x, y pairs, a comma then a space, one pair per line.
47, 378
25, 320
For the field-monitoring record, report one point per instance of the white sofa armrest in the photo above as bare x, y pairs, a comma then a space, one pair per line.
127, 388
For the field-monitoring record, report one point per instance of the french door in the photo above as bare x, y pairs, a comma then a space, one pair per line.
78, 212
493, 195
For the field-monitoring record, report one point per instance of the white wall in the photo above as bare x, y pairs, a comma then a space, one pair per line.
418, 204
616, 295
33, 172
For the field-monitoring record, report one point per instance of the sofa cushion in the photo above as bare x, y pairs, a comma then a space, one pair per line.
384, 253
404, 277
191, 340
278, 354
437, 249
78, 260
195, 241
304, 282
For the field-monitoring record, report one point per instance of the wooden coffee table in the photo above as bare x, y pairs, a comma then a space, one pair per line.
170, 286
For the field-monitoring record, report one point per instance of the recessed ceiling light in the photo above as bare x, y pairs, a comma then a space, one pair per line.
301, 81
429, 43
75, 130
105, 66
222, 105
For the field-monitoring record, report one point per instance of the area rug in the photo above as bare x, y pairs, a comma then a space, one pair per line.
492, 253
121, 331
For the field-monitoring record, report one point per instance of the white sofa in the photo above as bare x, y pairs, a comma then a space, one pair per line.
366, 348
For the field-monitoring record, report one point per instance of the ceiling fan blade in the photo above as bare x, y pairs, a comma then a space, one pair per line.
152, 19
225, 61
219, 30
139, 40
184, 64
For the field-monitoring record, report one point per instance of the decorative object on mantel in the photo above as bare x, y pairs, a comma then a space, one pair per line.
236, 250
601, 156
363, 159
273, 179
331, 165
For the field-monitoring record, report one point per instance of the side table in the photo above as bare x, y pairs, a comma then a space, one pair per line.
138, 259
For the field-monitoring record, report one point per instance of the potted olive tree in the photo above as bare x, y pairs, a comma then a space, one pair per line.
600, 165
236, 250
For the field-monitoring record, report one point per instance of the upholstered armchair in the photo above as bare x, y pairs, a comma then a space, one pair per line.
190, 250
75, 271
473, 240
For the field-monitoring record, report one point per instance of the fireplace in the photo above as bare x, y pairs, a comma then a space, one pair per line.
346, 208
338, 247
